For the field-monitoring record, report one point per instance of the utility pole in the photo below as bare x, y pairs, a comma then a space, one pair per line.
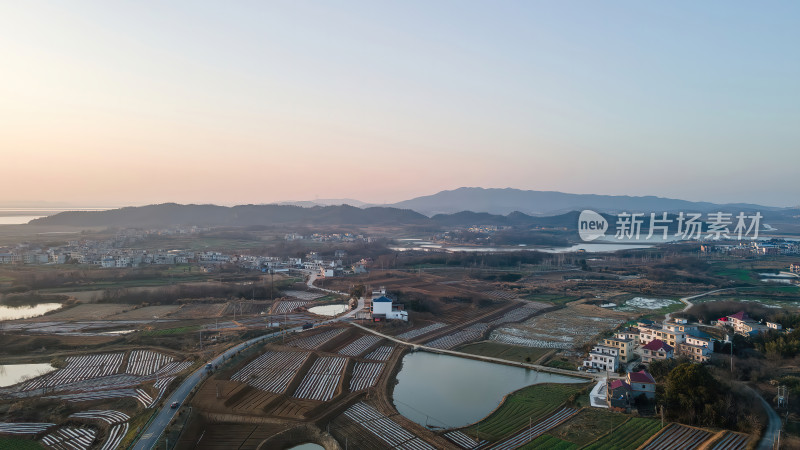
530, 426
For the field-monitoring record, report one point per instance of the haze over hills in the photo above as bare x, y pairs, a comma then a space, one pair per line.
508, 200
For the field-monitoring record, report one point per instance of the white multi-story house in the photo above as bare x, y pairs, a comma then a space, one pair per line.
697, 347
603, 357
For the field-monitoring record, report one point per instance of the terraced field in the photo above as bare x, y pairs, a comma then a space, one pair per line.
520, 314
322, 379
288, 306
549, 442
271, 371
732, 441
312, 342
463, 441
381, 353
79, 368
408, 335
386, 429
146, 362
70, 438
24, 427
678, 436
360, 345
533, 402
628, 436
143, 397
365, 375
468, 334
536, 430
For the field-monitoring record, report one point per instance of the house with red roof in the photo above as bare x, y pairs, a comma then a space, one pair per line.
743, 324
618, 395
642, 382
656, 349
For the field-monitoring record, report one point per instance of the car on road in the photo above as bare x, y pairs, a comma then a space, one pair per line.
592, 370
308, 325
175, 405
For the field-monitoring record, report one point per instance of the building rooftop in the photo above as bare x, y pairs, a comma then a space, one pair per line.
741, 315
641, 376
382, 299
616, 384
656, 345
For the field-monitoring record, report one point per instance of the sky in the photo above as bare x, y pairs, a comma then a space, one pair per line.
127, 103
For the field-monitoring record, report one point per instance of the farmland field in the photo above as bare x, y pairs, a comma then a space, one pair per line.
587, 425
530, 403
628, 436
505, 351
565, 328
148, 312
19, 444
548, 442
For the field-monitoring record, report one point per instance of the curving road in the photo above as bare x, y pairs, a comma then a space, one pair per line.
150, 437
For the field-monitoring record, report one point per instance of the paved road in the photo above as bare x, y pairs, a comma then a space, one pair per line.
773, 426
156, 428
689, 304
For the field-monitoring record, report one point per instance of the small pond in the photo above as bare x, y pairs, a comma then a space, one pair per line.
449, 391
26, 312
11, 374
328, 310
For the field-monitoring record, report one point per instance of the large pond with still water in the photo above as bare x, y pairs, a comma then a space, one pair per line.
448, 391
11, 374
26, 312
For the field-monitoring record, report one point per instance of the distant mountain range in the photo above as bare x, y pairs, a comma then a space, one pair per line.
459, 207
505, 201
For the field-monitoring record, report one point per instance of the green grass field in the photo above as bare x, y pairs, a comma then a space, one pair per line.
531, 403
584, 427
742, 275
627, 436
18, 444
548, 442
504, 351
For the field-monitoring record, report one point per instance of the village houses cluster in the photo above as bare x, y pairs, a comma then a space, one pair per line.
116, 252
649, 341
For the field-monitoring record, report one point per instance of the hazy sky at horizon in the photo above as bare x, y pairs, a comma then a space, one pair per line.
113, 103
